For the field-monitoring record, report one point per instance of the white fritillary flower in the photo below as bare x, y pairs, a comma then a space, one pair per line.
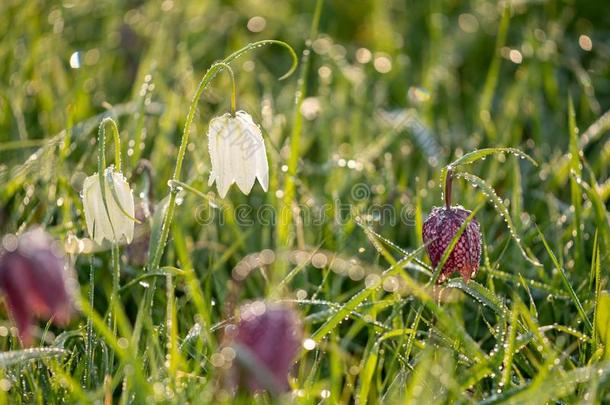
116, 225
237, 152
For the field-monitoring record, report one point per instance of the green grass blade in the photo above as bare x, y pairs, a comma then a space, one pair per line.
502, 210
478, 154
603, 321
12, 358
567, 283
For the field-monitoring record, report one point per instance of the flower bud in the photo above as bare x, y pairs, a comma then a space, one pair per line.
439, 229
266, 340
116, 225
237, 153
35, 280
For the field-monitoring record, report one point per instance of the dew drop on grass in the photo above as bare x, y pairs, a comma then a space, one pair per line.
309, 344
75, 60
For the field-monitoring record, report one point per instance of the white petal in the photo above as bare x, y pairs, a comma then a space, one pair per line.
220, 152
102, 228
237, 153
258, 162
212, 178
213, 148
244, 117
90, 192
254, 150
244, 161
262, 168
113, 225
123, 224
225, 172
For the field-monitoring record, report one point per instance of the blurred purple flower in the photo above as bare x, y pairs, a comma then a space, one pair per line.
267, 339
35, 280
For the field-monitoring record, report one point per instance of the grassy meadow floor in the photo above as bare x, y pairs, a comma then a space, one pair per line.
386, 94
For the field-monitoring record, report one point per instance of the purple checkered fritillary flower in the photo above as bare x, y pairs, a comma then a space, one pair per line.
439, 229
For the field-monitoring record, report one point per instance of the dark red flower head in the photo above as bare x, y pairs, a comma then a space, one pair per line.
438, 231
267, 339
35, 280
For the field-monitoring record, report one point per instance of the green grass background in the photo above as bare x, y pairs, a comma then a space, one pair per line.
516, 333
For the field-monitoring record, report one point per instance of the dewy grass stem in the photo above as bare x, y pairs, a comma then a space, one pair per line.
101, 168
284, 226
101, 158
114, 297
89, 374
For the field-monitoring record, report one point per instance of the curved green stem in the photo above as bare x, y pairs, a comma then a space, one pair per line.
155, 259
101, 145
233, 87
114, 297
101, 168
205, 80
101, 159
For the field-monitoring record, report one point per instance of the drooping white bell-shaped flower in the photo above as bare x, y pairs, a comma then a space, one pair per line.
116, 225
237, 152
